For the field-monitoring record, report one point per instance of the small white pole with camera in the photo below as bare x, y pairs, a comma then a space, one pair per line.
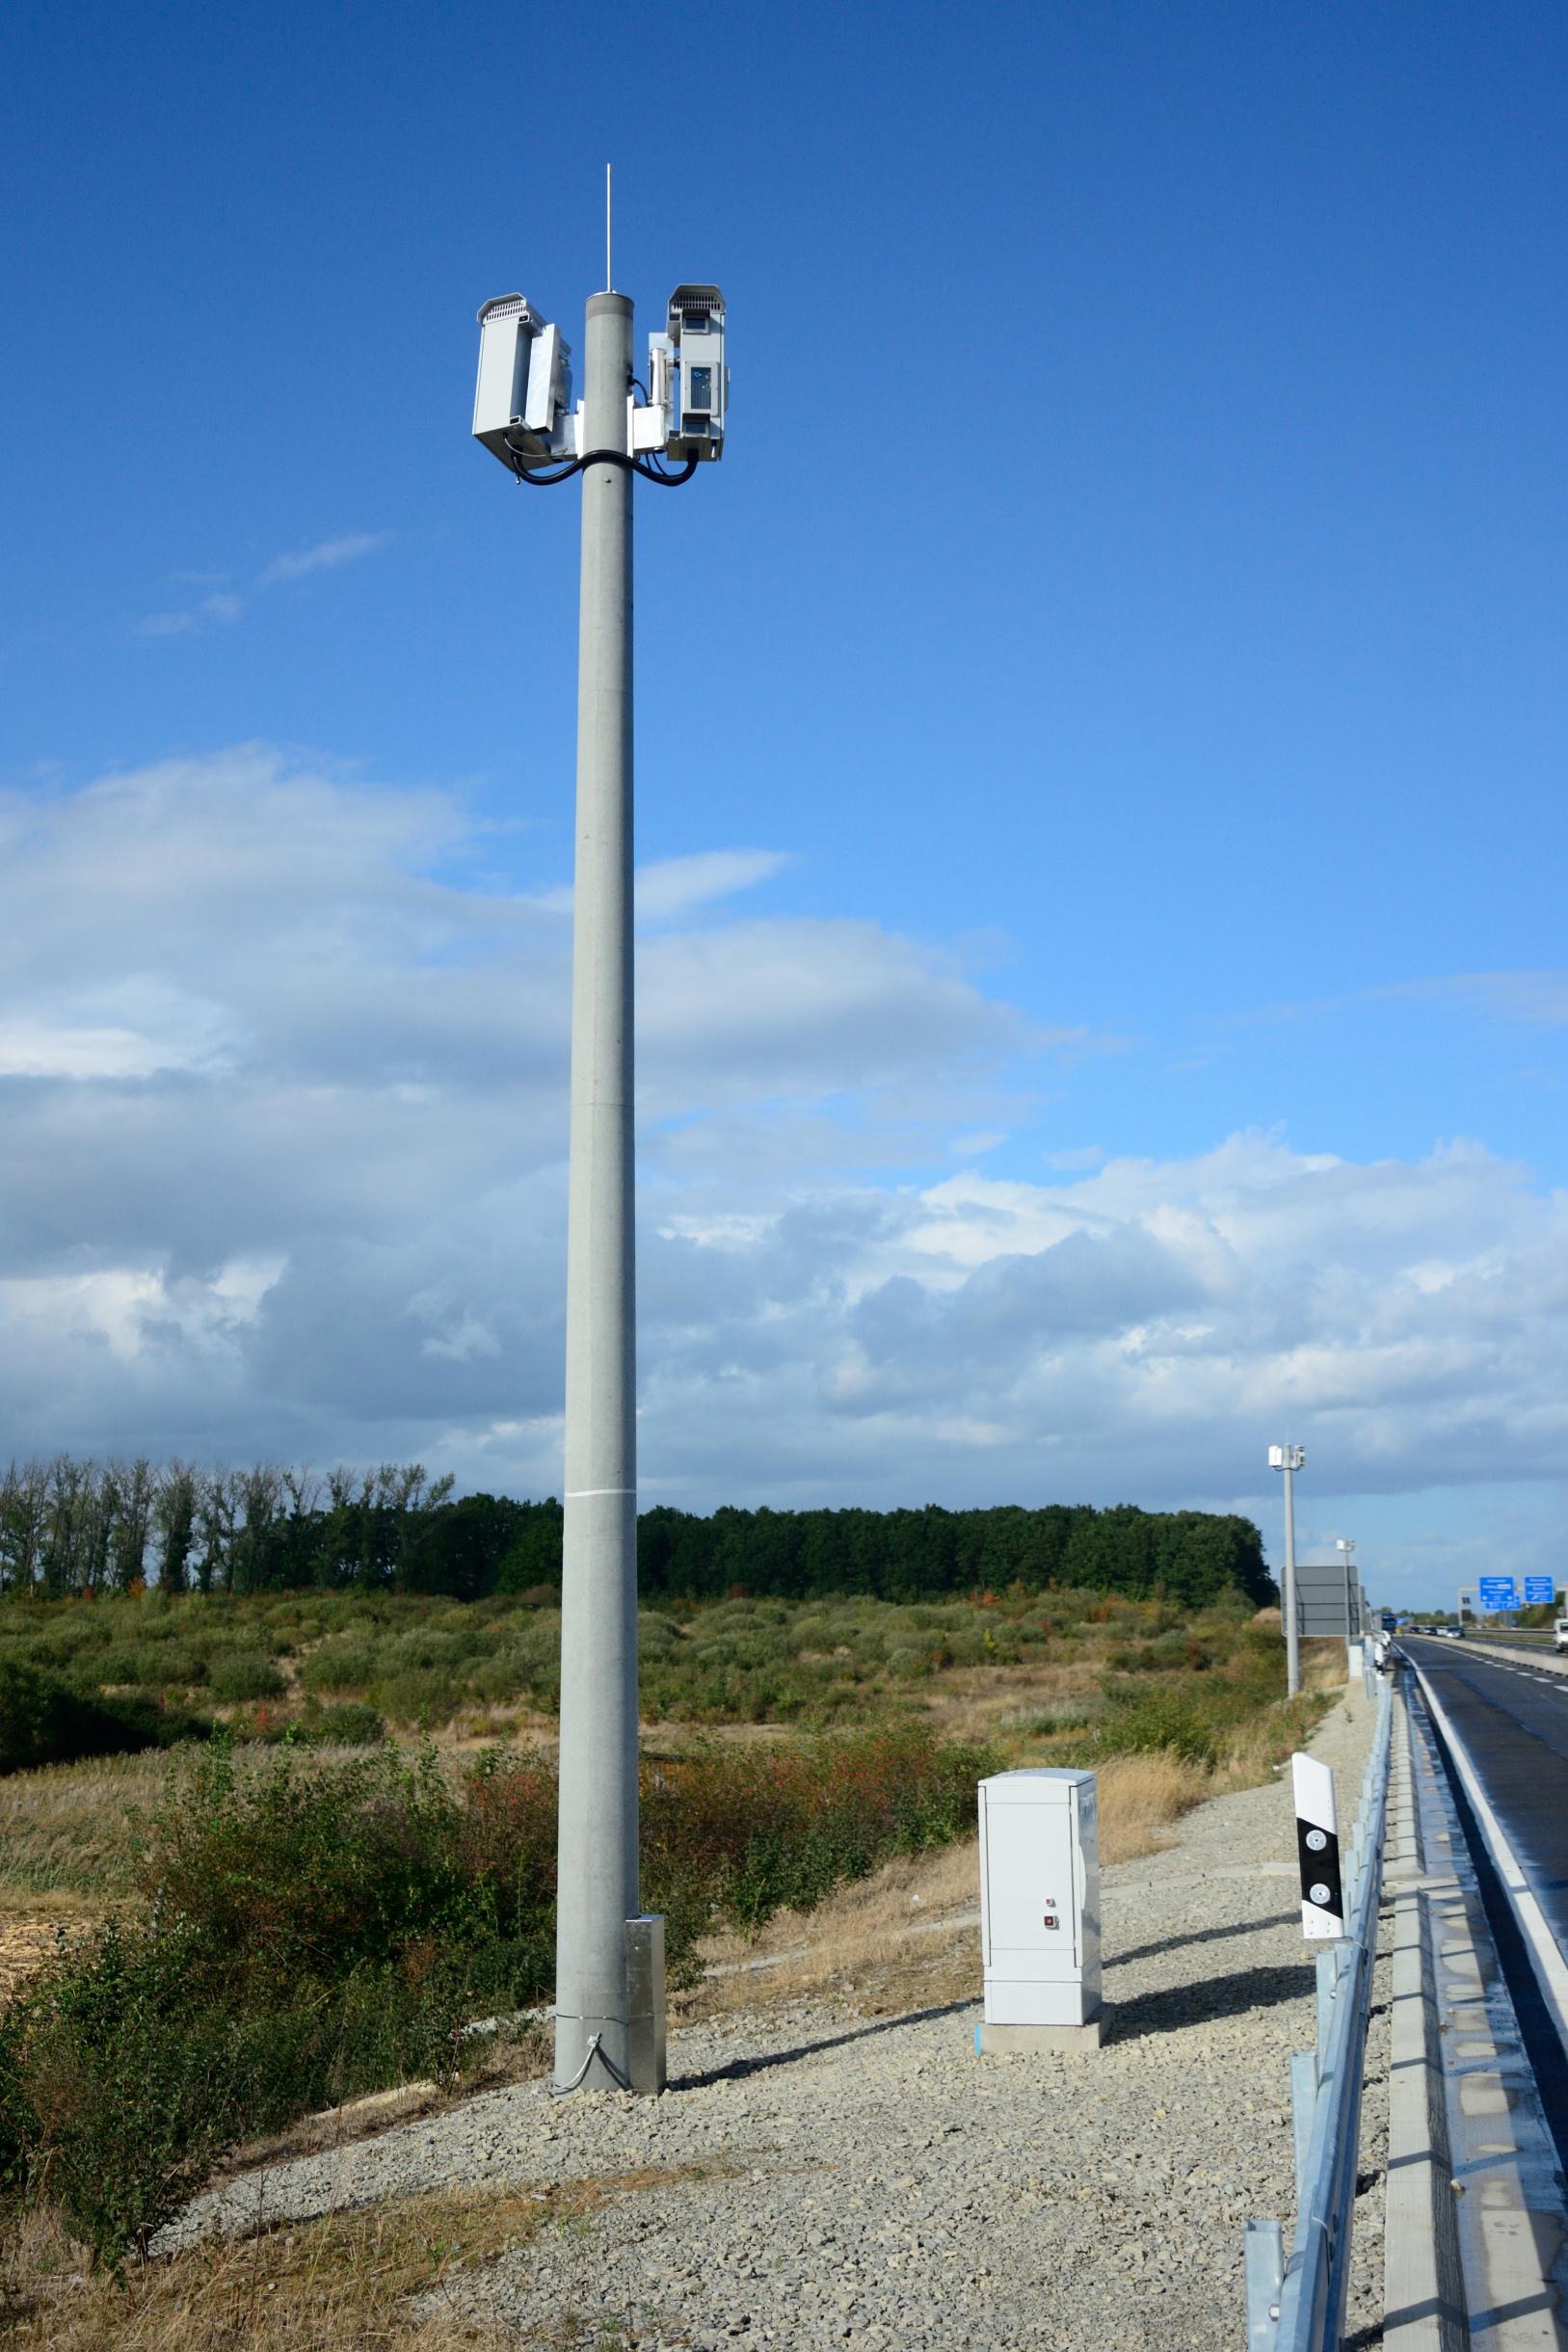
1346, 1546
609, 1971
1290, 1459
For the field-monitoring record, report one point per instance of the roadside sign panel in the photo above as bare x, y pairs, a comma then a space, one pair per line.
1499, 1593
1328, 1602
1539, 1589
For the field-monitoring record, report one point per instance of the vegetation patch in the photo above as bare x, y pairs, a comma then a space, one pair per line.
302, 1919
46, 1720
385, 2278
163, 1663
322, 1928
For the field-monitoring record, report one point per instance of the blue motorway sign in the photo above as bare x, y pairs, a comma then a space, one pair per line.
1540, 1588
1498, 1593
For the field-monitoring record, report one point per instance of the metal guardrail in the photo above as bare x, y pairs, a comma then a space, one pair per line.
1299, 2306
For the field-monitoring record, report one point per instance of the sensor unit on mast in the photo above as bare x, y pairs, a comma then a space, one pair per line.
696, 340
523, 401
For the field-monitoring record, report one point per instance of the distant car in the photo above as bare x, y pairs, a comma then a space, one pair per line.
1452, 1633
1559, 1634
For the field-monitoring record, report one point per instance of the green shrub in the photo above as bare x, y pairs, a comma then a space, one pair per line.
345, 1663
352, 1725
1226, 1680
44, 1721
123, 2073
246, 1674
1162, 1718
426, 1698
158, 1665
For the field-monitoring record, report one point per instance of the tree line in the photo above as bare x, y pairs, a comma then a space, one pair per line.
75, 1527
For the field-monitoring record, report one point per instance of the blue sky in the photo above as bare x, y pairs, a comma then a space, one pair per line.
1101, 741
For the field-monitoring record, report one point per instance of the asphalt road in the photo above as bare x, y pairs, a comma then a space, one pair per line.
1513, 1719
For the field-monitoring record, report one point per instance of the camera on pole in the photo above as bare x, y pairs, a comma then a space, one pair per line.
524, 411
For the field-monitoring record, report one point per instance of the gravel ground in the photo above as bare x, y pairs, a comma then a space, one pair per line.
870, 2182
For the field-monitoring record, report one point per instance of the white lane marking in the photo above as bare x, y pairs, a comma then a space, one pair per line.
1545, 1954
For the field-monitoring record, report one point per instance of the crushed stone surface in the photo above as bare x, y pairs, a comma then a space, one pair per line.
844, 2180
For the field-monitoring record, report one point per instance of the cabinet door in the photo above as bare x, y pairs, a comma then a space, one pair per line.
1033, 1912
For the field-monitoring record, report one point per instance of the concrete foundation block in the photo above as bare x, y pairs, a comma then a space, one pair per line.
1033, 2041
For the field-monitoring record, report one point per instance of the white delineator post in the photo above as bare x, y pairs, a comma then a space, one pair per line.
1318, 1848
598, 1855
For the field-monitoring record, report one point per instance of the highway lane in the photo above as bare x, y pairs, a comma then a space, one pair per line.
1539, 1643
1513, 1719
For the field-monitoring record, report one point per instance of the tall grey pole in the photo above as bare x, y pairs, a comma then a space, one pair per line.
598, 1879
1293, 1631
1352, 1631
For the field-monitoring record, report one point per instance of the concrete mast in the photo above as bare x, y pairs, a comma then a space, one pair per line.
598, 1891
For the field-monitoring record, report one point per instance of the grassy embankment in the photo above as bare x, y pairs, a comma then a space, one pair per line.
327, 1921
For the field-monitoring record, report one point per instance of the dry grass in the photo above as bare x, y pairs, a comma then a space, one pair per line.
1322, 1666
909, 1934
62, 1828
388, 2279
905, 1937
985, 1702
1141, 1795
63, 1860
28, 1942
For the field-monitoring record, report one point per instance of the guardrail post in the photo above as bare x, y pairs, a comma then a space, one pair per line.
1303, 2094
1264, 2263
1328, 1978
1299, 2306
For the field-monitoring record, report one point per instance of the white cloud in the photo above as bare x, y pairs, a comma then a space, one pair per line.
224, 606
247, 1026
286, 1126
167, 623
672, 887
1534, 998
324, 556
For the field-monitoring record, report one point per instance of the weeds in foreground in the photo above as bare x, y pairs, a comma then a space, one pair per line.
388, 2279
320, 1930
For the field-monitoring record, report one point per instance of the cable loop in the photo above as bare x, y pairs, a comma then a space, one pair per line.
595, 2048
539, 480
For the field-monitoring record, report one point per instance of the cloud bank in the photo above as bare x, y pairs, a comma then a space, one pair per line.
284, 1097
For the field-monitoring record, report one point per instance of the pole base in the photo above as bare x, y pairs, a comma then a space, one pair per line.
645, 2003
1035, 2040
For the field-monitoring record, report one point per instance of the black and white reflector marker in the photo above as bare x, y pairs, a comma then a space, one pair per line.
1317, 1846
